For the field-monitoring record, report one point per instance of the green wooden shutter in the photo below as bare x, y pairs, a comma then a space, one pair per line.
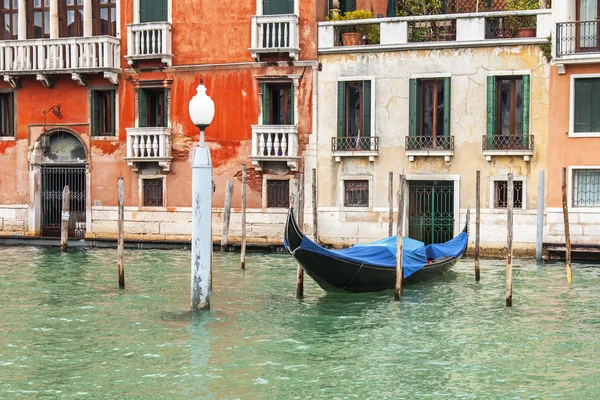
341, 109
526, 105
413, 107
143, 109
391, 8
492, 110
12, 127
447, 106
94, 113
144, 10
165, 10
154, 10
266, 104
290, 7
291, 104
165, 121
583, 105
366, 109
267, 7
347, 5
113, 112
595, 104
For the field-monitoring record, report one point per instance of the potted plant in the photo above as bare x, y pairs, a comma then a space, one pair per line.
356, 35
522, 25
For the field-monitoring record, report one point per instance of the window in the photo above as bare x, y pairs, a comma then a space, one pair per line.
586, 188
105, 22
40, 15
103, 112
508, 112
153, 192
429, 109
153, 10
278, 193
7, 122
501, 194
344, 5
10, 19
356, 193
72, 25
272, 7
586, 107
153, 108
278, 104
354, 115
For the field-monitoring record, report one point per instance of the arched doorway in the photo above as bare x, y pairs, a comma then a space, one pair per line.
63, 162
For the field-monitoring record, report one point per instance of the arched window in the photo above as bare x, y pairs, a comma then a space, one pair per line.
39, 11
10, 19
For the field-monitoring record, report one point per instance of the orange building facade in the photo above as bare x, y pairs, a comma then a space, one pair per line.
93, 92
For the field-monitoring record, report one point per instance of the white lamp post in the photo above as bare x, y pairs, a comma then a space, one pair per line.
202, 112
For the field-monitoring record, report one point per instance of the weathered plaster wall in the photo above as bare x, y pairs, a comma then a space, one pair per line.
565, 151
469, 69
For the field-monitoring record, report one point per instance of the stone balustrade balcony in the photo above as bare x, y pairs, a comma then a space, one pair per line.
77, 56
275, 34
149, 41
275, 143
149, 145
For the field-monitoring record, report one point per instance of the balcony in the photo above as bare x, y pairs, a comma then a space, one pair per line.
273, 34
149, 41
577, 42
496, 145
429, 146
149, 145
355, 147
45, 57
275, 143
459, 30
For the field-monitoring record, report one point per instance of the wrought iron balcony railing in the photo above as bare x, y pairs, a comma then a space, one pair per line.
430, 143
366, 144
580, 37
507, 143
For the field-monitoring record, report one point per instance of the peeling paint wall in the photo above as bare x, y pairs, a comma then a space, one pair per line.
469, 69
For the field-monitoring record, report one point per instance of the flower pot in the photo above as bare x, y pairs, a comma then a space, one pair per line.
351, 39
526, 32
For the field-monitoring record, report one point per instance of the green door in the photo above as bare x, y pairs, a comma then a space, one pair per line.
272, 7
431, 211
154, 10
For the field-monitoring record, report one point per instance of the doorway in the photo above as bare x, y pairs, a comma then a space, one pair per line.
54, 179
431, 211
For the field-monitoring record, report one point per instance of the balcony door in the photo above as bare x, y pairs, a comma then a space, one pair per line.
588, 29
154, 10
273, 7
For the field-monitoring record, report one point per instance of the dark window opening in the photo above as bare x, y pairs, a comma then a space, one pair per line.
354, 94
10, 19
153, 192
72, 19
501, 194
432, 108
356, 193
39, 27
105, 21
280, 105
278, 193
103, 113
510, 107
153, 108
7, 125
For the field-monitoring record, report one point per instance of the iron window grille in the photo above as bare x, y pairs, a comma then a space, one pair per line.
356, 193
586, 188
153, 192
278, 193
501, 194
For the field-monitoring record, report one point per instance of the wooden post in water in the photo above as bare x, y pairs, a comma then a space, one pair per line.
314, 205
243, 250
227, 215
539, 240
64, 220
399, 237
477, 224
300, 213
509, 255
391, 203
121, 240
567, 231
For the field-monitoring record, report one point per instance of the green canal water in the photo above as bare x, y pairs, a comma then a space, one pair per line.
66, 331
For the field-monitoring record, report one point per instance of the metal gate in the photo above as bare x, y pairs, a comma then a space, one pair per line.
54, 179
431, 211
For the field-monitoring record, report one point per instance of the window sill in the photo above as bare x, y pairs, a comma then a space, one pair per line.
356, 153
153, 208
429, 153
105, 138
526, 154
8, 139
584, 134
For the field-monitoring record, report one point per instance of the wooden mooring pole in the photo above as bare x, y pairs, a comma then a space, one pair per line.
243, 250
121, 237
567, 231
539, 240
227, 215
314, 205
64, 220
391, 204
477, 224
300, 214
399, 237
509, 255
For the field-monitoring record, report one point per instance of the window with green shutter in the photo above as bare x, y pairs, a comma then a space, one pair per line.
278, 103
273, 7
586, 107
154, 10
153, 108
354, 119
103, 110
429, 113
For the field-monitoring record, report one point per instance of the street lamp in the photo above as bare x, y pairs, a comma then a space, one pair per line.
202, 112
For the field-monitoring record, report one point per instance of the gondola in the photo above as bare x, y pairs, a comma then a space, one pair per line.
371, 267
